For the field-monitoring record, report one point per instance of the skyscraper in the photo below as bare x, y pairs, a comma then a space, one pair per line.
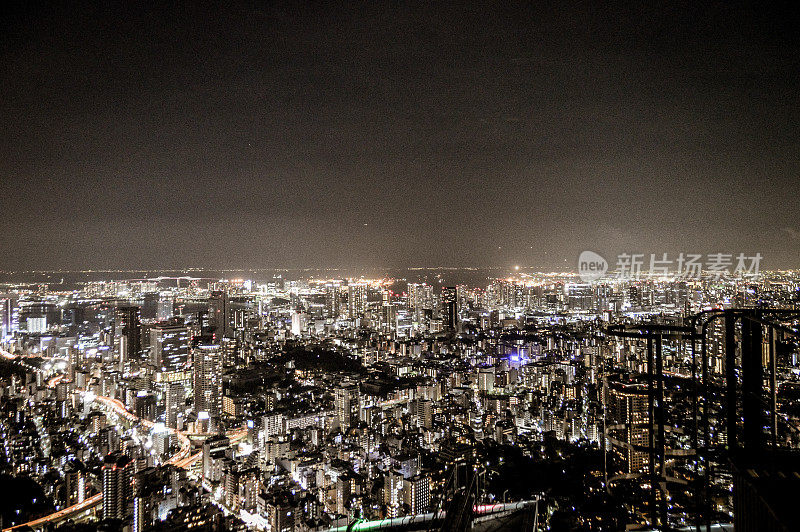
417, 493
333, 299
166, 306
420, 298
175, 399
169, 346
9, 316
347, 404
207, 378
127, 333
450, 307
213, 447
75, 482
393, 493
299, 322
150, 305
627, 405
219, 314
388, 312
117, 473
356, 300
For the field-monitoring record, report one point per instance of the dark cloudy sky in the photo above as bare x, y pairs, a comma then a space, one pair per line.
390, 134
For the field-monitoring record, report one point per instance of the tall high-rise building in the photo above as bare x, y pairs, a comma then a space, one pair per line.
175, 400
299, 322
347, 404
356, 300
150, 305
420, 298
73, 317
127, 334
117, 473
213, 447
628, 405
145, 405
143, 498
242, 318
207, 378
450, 307
417, 493
9, 316
169, 346
230, 348
166, 307
219, 314
75, 482
393, 493
333, 299
388, 312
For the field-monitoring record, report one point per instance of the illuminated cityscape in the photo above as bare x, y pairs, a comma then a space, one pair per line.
302, 403
400, 266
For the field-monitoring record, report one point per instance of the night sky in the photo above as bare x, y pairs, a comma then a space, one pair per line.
392, 134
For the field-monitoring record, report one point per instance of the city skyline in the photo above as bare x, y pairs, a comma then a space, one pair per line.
322, 404
280, 266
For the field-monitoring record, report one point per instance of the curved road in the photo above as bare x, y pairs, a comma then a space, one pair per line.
180, 459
